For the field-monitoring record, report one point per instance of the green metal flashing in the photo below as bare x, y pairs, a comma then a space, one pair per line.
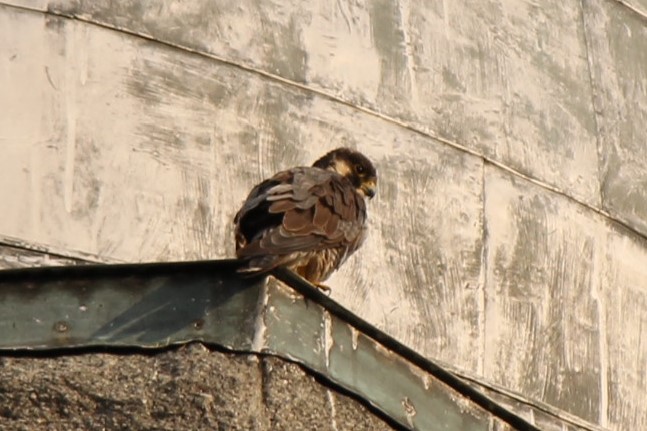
161, 304
147, 306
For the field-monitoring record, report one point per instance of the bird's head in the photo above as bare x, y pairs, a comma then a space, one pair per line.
353, 165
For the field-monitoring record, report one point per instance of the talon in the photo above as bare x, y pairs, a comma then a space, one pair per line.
323, 288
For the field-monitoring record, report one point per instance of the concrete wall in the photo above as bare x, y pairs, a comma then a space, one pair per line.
508, 236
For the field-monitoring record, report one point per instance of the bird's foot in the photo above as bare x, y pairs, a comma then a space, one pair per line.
325, 289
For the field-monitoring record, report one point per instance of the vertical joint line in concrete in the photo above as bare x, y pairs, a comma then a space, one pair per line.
482, 297
594, 98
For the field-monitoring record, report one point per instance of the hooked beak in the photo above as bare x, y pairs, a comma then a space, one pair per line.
369, 189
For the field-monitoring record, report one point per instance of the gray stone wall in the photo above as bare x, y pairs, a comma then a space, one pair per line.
508, 237
187, 388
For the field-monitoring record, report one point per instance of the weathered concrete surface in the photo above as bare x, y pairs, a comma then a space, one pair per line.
115, 187
14, 257
571, 298
637, 6
522, 76
623, 301
132, 150
542, 284
514, 71
186, 388
618, 36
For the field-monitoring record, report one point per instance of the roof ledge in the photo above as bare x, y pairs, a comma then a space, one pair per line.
156, 305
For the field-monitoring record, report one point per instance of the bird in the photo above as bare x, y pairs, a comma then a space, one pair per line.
308, 219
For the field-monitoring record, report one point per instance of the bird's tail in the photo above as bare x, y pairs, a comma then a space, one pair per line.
256, 266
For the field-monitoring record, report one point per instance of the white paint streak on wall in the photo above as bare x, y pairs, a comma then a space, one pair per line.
601, 310
446, 14
405, 14
625, 299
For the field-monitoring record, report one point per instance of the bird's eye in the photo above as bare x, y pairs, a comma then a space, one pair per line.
359, 169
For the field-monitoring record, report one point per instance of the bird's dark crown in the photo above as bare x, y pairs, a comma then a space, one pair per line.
351, 157
353, 165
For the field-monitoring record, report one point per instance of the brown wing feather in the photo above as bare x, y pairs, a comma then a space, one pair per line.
300, 210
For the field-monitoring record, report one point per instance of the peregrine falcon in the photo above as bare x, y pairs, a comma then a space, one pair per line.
307, 219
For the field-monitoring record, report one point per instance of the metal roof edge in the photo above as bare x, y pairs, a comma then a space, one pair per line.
154, 305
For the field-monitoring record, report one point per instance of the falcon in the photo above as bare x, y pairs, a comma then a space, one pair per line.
307, 219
